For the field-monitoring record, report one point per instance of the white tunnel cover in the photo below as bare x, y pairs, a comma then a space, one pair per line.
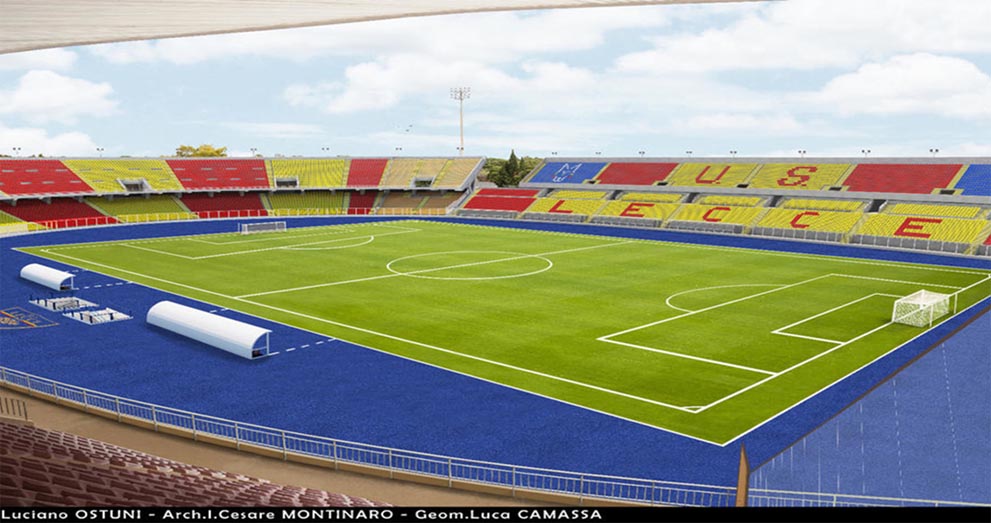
237, 337
47, 276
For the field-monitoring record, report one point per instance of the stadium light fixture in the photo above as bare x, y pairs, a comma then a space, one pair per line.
689, 153
326, 150
399, 149
733, 154
866, 152
461, 94
934, 151
641, 153
17, 151
99, 150
598, 153
553, 153
254, 151
801, 152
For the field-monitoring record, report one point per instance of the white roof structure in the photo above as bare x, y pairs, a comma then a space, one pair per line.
223, 333
38, 24
44, 275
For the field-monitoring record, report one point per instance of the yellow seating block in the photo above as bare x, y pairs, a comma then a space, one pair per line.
581, 195
825, 205
711, 174
310, 172
400, 172
828, 221
722, 199
313, 200
798, 176
652, 197
7, 218
960, 230
454, 174
633, 209
694, 212
135, 205
102, 175
564, 206
958, 211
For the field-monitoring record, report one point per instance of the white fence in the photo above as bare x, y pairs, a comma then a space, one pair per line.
451, 469
785, 498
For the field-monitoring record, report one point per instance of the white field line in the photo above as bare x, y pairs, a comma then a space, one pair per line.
294, 245
689, 291
391, 337
690, 357
895, 281
781, 330
716, 306
763, 252
851, 373
282, 236
804, 337
422, 271
155, 251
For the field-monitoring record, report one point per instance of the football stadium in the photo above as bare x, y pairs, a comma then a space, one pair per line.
629, 330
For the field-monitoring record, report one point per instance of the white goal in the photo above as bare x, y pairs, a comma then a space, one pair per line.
921, 308
254, 228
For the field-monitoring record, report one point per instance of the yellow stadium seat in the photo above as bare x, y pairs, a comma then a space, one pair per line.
812, 220
138, 205
825, 205
694, 212
959, 230
455, 172
400, 172
652, 197
957, 211
580, 195
563, 206
711, 174
311, 173
633, 209
103, 175
798, 176
722, 199
307, 203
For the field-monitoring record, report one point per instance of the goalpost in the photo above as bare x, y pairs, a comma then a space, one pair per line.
922, 308
254, 228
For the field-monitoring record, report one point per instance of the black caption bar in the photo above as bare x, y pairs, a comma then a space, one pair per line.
515, 514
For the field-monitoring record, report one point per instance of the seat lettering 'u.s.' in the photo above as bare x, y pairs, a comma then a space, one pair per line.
702, 179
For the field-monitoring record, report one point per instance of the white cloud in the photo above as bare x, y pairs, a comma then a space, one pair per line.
911, 84
815, 34
277, 129
33, 140
45, 96
488, 37
771, 124
52, 59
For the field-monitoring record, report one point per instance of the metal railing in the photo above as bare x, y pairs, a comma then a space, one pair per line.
787, 498
453, 470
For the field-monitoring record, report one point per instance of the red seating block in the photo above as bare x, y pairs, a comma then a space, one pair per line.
524, 193
207, 206
63, 212
495, 203
224, 173
635, 173
49, 177
362, 203
901, 178
366, 172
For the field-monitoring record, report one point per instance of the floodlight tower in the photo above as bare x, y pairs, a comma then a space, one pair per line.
461, 94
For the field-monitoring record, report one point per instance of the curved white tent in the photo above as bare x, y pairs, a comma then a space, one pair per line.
40, 24
236, 337
47, 276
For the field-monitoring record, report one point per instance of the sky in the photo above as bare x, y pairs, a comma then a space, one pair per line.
830, 77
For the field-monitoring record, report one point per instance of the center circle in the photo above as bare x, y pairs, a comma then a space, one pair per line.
467, 265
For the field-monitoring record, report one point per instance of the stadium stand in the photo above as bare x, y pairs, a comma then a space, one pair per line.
311, 172
198, 174
366, 172
956, 230
567, 172
579, 195
50, 468
725, 199
456, 173
823, 205
105, 176
652, 197
402, 200
957, 211
31, 177
638, 209
305, 203
584, 207
498, 203
216, 205
798, 176
639, 173
711, 175
517, 193
63, 212
719, 218
362, 203
401, 172
901, 178
7, 218
976, 180
436, 200
141, 208
503, 203
811, 220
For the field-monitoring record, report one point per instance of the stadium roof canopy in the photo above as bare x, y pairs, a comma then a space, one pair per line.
38, 24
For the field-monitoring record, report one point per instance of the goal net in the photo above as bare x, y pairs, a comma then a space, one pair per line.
921, 308
254, 228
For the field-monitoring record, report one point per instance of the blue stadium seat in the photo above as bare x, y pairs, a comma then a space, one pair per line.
976, 181
567, 172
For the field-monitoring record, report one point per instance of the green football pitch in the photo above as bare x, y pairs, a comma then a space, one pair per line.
707, 342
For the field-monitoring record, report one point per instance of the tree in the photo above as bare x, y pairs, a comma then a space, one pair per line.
509, 172
205, 150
